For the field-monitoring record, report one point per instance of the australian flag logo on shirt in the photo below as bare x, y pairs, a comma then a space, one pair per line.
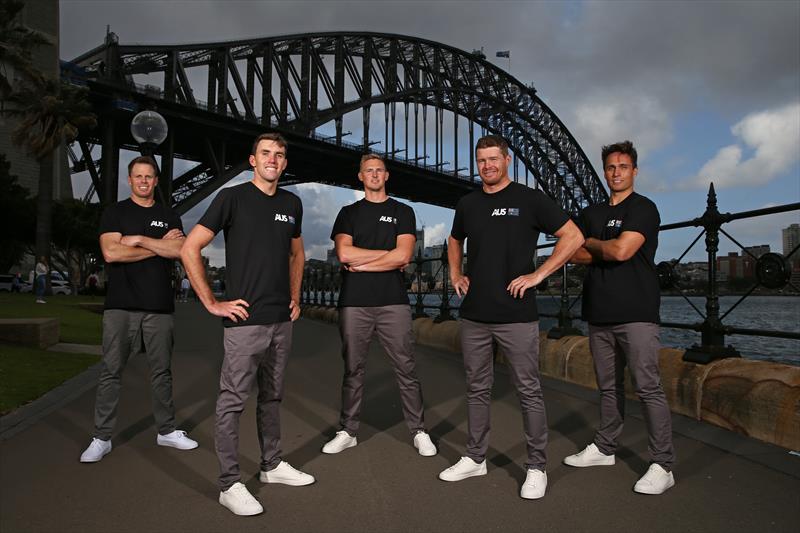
506, 212
284, 218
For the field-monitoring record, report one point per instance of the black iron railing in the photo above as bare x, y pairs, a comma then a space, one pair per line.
429, 276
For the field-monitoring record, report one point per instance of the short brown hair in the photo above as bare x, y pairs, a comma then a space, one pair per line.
490, 141
372, 155
271, 136
143, 160
624, 147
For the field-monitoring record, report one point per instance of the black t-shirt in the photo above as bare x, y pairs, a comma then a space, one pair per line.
258, 237
616, 292
144, 285
501, 231
374, 226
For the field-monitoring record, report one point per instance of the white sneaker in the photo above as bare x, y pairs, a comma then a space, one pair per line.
40, 301
339, 443
424, 445
534, 486
590, 456
239, 500
464, 468
286, 474
655, 481
96, 450
177, 439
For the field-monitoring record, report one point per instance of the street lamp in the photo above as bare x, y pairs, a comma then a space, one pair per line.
149, 129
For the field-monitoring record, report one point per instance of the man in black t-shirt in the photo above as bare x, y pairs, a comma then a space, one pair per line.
264, 260
501, 224
621, 304
374, 240
139, 239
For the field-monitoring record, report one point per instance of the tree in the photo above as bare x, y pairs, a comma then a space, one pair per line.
76, 246
17, 215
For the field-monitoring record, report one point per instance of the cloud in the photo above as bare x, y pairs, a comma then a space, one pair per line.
771, 137
320, 208
436, 234
601, 119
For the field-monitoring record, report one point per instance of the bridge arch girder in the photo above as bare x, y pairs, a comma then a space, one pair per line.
303, 81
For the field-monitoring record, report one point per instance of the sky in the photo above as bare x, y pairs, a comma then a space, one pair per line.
707, 91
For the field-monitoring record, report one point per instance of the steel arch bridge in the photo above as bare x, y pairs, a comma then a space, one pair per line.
217, 97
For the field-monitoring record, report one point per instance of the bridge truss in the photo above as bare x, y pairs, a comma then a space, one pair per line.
315, 88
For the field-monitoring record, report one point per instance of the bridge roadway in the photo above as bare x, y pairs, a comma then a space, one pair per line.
724, 482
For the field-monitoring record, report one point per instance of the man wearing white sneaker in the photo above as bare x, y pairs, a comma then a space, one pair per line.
374, 240
621, 304
140, 239
264, 260
501, 224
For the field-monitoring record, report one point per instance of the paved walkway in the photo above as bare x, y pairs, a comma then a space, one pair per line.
724, 482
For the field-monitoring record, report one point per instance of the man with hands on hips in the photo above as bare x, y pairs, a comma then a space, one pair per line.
264, 269
501, 223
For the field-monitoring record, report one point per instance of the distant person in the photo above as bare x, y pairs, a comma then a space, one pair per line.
42, 270
374, 241
264, 261
16, 283
621, 300
185, 288
140, 239
91, 283
501, 223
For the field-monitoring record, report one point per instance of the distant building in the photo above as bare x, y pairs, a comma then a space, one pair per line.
332, 258
735, 266
419, 246
758, 250
692, 271
791, 238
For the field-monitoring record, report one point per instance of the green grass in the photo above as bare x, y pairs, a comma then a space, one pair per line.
78, 325
27, 373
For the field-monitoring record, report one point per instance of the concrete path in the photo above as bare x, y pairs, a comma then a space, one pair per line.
724, 482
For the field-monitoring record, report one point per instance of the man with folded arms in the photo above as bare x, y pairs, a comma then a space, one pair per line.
374, 240
140, 239
621, 302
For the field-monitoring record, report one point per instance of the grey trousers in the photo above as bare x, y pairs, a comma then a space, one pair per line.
520, 344
124, 332
635, 344
253, 355
392, 324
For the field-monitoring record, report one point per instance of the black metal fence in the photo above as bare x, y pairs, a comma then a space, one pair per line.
429, 277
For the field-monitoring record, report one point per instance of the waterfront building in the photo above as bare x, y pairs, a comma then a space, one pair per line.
735, 266
332, 258
757, 250
791, 238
